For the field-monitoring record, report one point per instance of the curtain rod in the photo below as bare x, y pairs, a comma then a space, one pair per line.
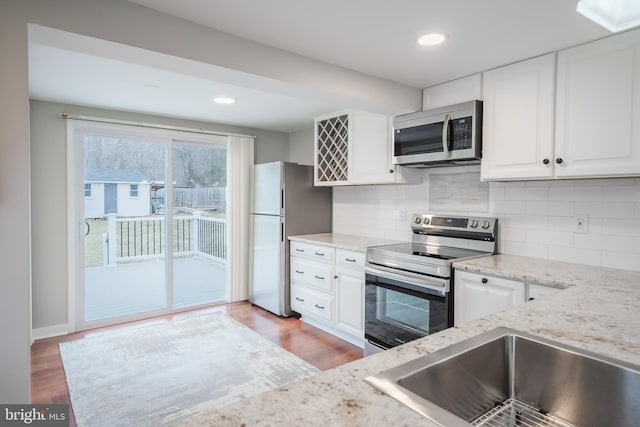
150, 125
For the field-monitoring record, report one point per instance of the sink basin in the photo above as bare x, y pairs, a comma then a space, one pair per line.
509, 378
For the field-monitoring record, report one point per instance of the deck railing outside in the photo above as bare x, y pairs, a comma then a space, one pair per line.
133, 239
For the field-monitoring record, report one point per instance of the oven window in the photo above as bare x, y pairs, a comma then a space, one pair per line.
395, 314
402, 310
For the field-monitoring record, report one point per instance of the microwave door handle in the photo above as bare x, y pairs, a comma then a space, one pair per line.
445, 135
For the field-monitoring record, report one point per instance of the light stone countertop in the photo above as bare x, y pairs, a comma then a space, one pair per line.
599, 312
343, 241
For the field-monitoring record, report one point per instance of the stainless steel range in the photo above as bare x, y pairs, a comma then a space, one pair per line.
408, 291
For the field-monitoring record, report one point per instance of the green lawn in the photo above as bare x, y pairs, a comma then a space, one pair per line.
93, 243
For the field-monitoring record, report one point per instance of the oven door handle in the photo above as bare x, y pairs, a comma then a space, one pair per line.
438, 285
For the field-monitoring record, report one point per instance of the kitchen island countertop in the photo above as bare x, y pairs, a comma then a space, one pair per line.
599, 312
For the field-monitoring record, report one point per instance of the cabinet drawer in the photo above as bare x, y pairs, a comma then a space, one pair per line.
345, 258
317, 252
308, 302
315, 274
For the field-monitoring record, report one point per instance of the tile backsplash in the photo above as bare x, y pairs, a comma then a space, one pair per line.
536, 218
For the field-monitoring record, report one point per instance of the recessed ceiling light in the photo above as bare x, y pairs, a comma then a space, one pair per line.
614, 15
151, 86
431, 39
224, 100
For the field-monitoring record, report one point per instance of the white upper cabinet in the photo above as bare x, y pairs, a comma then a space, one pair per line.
453, 92
598, 108
354, 148
517, 138
590, 128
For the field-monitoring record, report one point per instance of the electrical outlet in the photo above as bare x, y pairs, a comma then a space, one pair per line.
580, 223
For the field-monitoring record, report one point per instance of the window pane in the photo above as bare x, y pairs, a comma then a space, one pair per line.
200, 226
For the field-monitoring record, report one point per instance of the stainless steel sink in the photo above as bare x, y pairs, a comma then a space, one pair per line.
509, 378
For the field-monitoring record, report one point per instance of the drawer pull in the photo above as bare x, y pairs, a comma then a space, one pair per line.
299, 299
321, 307
484, 280
319, 277
350, 259
299, 272
299, 250
319, 254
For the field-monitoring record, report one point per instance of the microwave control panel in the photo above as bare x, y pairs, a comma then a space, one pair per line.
462, 133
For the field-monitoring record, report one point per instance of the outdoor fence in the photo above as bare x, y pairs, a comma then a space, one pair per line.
131, 239
198, 198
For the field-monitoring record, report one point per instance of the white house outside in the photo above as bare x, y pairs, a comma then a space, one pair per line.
122, 192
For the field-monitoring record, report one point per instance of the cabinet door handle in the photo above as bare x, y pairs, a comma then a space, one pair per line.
545, 161
319, 254
350, 259
559, 160
299, 272
321, 307
484, 280
335, 277
300, 299
299, 250
319, 277
531, 298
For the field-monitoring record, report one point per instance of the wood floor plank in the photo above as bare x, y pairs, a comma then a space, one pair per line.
323, 350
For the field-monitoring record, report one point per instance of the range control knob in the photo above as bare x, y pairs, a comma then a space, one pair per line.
426, 221
485, 224
417, 220
474, 223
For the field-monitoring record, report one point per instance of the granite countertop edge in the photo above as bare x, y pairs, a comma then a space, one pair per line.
342, 241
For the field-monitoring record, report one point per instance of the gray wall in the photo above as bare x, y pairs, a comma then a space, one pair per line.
121, 22
301, 147
15, 257
49, 194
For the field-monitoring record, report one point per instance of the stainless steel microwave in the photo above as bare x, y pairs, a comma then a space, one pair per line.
448, 135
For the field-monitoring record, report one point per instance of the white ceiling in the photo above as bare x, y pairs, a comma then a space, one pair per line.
73, 77
375, 37
378, 37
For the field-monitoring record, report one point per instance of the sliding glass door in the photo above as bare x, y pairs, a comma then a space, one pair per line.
124, 256
200, 224
152, 215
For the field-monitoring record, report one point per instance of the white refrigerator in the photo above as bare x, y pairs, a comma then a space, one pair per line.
285, 203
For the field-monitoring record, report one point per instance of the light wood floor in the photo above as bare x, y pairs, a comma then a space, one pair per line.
48, 383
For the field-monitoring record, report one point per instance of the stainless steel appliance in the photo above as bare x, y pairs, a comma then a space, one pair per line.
408, 290
285, 203
447, 135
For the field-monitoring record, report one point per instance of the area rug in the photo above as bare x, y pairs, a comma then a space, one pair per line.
161, 374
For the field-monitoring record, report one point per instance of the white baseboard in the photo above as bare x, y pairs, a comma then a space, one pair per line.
49, 331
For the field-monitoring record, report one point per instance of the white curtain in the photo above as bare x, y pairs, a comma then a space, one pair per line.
239, 200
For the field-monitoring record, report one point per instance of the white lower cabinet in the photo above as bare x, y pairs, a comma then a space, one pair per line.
311, 302
477, 295
327, 289
350, 295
